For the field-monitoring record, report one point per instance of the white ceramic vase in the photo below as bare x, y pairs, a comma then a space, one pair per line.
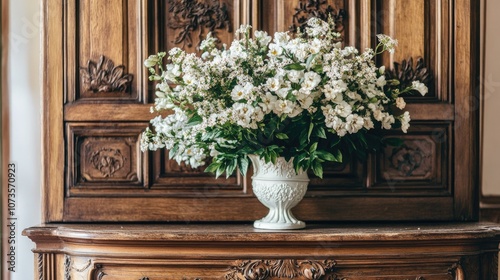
279, 188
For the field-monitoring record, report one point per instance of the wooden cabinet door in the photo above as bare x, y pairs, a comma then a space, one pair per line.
97, 98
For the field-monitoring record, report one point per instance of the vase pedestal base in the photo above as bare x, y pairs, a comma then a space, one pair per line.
267, 225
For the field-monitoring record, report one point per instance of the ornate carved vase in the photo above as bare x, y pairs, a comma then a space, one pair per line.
279, 188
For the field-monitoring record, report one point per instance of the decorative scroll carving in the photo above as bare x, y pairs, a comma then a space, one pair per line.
107, 161
84, 267
275, 269
67, 268
105, 76
406, 73
457, 271
144, 278
337, 277
319, 9
40, 266
190, 15
406, 159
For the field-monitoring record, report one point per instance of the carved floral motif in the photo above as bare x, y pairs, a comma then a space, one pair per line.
275, 269
289, 192
282, 168
104, 76
406, 159
188, 16
319, 9
107, 161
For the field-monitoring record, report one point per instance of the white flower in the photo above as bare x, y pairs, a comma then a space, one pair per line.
283, 92
273, 84
262, 37
381, 81
294, 76
283, 107
275, 50
400, 103
343, 109
152, 61
281, 38
315, 46
267, 103
368, 123
238, 93
332, 94
242, 114
353, 123
387, 121
405, 121
311, 80
388, 43
420, 87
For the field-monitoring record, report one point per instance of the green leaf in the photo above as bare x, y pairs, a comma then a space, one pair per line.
318, 68
243, 165
173, 151
324, 155
231, 167
303, 140
294, 66
313, 147
320, 132
274, 157
220, 170
317, 169
281, 136
338, 155
309, 60
213, 167
311, 126
194, 120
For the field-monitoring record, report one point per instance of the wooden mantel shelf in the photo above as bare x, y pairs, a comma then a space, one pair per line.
246, 233
238, 251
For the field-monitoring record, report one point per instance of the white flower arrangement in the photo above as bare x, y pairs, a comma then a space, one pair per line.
303, 97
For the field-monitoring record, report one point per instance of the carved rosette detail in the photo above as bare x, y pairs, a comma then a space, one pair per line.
107, 161
319, 9
406, 72
187, 16
286, 268
407, 159
104, 76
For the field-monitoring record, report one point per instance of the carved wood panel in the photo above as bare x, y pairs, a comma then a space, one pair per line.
420, 163
187, 23
170, 177
97, 73
104, 156
102, 57
288, 15
422, 29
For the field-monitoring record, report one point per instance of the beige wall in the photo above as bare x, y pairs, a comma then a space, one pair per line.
25, 119
491, 101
